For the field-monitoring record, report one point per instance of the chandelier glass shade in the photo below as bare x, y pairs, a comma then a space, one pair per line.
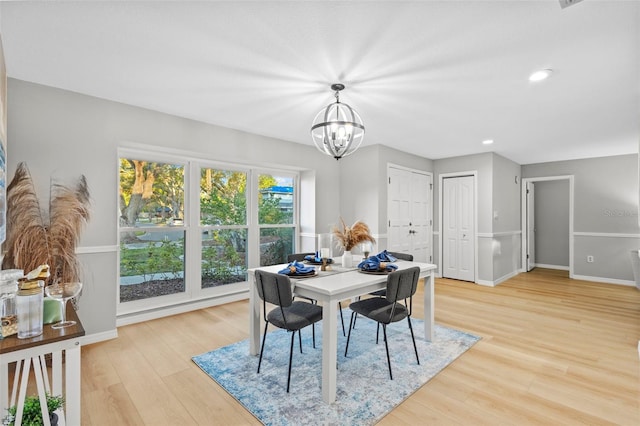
337, 130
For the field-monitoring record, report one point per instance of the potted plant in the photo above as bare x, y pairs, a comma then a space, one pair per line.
31, 414
349, 237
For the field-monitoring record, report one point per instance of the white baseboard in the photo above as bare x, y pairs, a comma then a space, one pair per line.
485, 283
605, 280
556, 267
99, 337
505, 277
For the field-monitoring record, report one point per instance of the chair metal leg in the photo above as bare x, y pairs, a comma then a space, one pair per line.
264, 337
414, 339
293, 336
313, 332
341, 318
386, 345
377, 333
299, 339
353, 314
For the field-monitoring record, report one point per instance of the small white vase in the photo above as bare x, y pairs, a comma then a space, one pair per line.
347, 259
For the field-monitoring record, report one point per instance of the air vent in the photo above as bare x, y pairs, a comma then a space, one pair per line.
567, 3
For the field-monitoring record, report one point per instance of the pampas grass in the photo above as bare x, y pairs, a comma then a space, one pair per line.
349, 237
32, 240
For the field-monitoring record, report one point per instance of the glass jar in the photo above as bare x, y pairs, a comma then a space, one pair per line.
29, 303
8, 312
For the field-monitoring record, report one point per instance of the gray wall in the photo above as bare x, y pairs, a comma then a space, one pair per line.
605, 212
551, 218
506, 195
498, 210
506, 232
363, 190
483, 165
61, 135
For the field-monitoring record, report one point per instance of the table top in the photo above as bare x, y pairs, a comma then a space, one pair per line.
49, 335
341, 280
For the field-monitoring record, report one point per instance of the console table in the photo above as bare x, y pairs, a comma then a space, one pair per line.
31, 352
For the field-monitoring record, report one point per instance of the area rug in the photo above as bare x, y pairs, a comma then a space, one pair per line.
364, 392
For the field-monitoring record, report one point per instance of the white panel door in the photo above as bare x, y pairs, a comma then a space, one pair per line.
399, 210
410, 212
458, 251
421, 217
531, 229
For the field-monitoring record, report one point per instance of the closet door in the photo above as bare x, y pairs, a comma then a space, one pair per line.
409, 211
458, 251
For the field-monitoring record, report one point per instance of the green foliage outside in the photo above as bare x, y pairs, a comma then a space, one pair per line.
164, 258
221, 262
32, 414
223, 202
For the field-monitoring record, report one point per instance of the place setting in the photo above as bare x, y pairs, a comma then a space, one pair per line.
317, 259
298, 270
379, 264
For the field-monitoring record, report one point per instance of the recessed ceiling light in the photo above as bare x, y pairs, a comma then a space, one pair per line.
540, 75
487, 141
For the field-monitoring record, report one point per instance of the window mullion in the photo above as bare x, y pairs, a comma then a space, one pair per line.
194, 236
253, 244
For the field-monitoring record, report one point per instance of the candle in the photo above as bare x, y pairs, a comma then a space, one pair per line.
324, 253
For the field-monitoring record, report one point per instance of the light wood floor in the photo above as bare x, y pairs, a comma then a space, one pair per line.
554, 351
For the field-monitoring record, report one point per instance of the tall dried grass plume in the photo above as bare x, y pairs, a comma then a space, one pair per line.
349, 237
36, 237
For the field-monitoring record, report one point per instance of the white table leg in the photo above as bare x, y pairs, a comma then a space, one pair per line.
429, 309
22, 393
45, 374
4, 388
56, 373
38, 372
16, 382
329, 351
72, 386
254, 316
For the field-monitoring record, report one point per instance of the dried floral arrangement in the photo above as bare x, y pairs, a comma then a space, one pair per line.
34, 239
349, 237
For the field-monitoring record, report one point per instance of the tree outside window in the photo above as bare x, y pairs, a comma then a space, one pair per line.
151, 250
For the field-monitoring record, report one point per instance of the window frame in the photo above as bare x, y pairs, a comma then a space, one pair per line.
193, 229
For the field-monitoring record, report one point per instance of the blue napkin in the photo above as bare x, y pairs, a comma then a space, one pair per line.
374, 263
296, 268
317, 258
384, 256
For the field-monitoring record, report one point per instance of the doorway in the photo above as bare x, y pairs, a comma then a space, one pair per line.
528, 247
409, 212
458, 226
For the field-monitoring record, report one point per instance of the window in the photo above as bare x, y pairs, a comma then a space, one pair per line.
223, 223
152, 260
176, 247
275, 218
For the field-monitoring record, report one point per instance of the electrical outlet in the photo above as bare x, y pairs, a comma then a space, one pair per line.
589, 259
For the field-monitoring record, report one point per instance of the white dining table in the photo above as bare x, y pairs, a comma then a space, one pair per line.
328, 288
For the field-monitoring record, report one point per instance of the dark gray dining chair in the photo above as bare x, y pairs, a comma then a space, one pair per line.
394, 307
288, 314
299, 257
383, 291
400, 256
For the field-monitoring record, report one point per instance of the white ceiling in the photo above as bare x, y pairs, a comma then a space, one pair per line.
431, 78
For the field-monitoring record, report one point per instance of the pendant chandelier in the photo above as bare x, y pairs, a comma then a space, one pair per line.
337, 129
